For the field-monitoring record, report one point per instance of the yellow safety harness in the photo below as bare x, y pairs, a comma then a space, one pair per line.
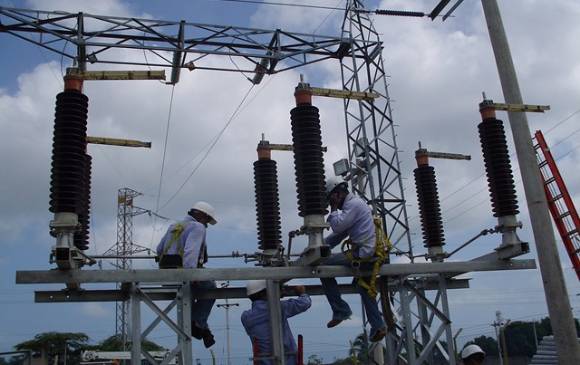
382, 247
175, 235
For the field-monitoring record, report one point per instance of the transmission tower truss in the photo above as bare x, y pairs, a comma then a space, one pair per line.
373, 154
123, 249
372, 147
174, 44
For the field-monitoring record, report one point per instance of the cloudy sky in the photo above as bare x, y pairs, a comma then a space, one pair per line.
437, 72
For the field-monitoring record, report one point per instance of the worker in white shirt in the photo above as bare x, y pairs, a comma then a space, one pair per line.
350, 217
184, 246
256, 321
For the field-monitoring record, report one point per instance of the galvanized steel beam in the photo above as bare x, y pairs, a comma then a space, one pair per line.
114, 295
272, 273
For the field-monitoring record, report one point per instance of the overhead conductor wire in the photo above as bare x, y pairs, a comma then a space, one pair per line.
477, 178
215, 141
168, 124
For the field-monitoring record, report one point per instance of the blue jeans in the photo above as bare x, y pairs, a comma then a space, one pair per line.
340, 309
201, 308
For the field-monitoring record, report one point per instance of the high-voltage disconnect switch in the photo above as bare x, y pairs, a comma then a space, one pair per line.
429, 207
267, 202
70, 175
428, 198
500, 180
309, 169
498, 168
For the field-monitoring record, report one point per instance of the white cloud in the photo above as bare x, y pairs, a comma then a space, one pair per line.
437, 72
95, 310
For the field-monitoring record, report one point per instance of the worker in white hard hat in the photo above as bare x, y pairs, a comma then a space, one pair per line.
472, 355
256, 321
350, 217
184, 246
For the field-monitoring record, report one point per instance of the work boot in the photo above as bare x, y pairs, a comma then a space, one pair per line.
208, 340
196, 331
334, 322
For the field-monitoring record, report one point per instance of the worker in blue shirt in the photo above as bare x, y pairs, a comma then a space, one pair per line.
350, 217
256, 321
184, 246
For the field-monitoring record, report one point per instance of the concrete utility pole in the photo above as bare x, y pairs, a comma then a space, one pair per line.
552, 276
497, 325
227, 306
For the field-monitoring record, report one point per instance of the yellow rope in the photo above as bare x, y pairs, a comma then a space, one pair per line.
382, 247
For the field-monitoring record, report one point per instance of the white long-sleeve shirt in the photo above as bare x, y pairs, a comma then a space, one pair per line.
354, 220
191, 241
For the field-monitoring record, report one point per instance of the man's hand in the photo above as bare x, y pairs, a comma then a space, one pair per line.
299, 289
334, 201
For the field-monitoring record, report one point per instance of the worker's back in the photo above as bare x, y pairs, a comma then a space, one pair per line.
256, 322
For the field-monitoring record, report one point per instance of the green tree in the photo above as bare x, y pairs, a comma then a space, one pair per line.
359, 349
53, 344
487, 344
115, 343
314, 360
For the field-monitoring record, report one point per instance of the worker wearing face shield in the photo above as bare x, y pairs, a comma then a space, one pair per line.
351, 218
184, 246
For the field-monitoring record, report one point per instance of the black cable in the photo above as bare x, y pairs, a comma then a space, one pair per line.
283, 4
216, 140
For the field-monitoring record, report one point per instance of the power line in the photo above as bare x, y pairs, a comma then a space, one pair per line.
326, 18
164, 150
158, 198
216, 140
200, 151
559, 123
283, 4
518, 180
562, 121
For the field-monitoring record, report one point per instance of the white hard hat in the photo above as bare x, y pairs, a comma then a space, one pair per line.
255, 286
207, 209
332, 183
471, 350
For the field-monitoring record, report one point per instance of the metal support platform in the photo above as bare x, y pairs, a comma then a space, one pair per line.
258, 273
410, 280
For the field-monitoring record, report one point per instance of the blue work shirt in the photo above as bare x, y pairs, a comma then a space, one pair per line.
256, 322
354, 220
191, 241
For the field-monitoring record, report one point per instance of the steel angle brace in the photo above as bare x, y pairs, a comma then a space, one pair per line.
433, 337
183, 303
407, 294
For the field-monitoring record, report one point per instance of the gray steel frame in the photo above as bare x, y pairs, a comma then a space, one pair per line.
411, 280
371, 141
172, 44
123, 248
369, 127
256, 273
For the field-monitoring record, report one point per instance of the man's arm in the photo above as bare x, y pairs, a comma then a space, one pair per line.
334, 238
192, 247
341, 221
292, 307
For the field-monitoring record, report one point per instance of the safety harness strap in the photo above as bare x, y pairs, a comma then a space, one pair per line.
175, 235
382, 247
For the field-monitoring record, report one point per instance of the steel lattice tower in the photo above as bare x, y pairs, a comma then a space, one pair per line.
123, 249
371, 143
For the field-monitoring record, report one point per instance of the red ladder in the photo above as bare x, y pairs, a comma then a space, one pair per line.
559, 201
